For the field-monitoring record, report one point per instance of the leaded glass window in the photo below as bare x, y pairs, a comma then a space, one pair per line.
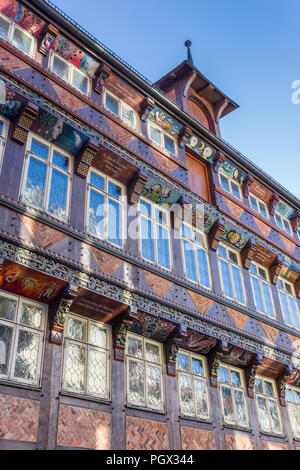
267, 405
86, 367
233, 398
231, 274
162, 138
22, 328
192, 385
69, 73
16, 35
288, 303
262, 290
119, 108
195, 255
47, 178
292, 397
105, 215
230, 185
144, 373
155, 233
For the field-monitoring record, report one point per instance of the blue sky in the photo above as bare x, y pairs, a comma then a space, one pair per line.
249, 49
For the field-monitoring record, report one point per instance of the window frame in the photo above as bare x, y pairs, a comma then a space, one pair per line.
104, 193
145, 362
258, 202
167, 226
268, 397
232, 387
50, 166
190, 373
239, 265
87, 345
16, 326
292, 294
293, 389
204, 247
230, 181
268, 282
163, 133
3, 139
10, 33
121, 103
71, 68
284, 220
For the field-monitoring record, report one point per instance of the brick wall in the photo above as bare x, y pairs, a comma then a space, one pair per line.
18, 418
143, 434
197, 439
236, 442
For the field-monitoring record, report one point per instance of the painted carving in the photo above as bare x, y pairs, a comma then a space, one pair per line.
275, 269
159, 193
120, 330
282, 382
10, 102
201, 148
295, 221
273, 203
165, 121
22, 16
184, 136
233, 172
85, 159
215, 234
49, 36
102, 74
251, 371
217, 161
24, 123
248, 181
57, 330
234, 236
146, 107
136, 187
247, 253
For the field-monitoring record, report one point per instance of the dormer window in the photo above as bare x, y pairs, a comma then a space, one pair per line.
16, 35
119, 109
162, 138
69, 73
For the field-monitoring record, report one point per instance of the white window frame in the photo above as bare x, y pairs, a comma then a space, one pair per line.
104, 193
258, 202
284, 221
145, 362
195, 244
87, 345
3, 139
232, 388
230, 181
50, 167
163, 133
294, 404
121, 104
190, 373
155, 222
267, 281
71, 68
268, 397
17, 326
239, 265
287, 293
13, 25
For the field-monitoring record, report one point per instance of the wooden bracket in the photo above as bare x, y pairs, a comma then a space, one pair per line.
101, 75
50, 33
172, 347
272, 203
246, 184
281, 384
85, 159
120, 330
297, 287
296, 221
24, 122
275, 269
218, 159
184, 135
146, 107
251, 369
63, 307
214, 362
247, 253
136, 186
215, 234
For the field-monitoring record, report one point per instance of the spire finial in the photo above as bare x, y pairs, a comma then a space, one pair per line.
188, 44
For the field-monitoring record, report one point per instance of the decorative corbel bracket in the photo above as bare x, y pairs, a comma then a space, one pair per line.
172, 348
297, 287
101, 75
272, 203
85, 158
215, 234
24, 122
50, 34
181, 211
146, 107
251, 369
281, 384
214, 362
218, 159
136, 186
296, 221
183, 136
275, 269
247, 253
248, 180
63, 307
120, 330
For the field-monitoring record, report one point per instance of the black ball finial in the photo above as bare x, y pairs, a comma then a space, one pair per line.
188, 43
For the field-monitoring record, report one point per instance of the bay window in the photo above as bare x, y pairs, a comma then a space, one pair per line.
155, 233
105, 211
46, 178
262, 290
292, 397
231, 274
288, 303
69, 73
16, 35
119, 108
192, 376
86, 366
144, 374
194, 247
267, 405
233, 398
22, 331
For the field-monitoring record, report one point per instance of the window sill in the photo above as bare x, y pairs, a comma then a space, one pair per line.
84, 397
22, 386
236, 427
196, 420
148, 410
271, 434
